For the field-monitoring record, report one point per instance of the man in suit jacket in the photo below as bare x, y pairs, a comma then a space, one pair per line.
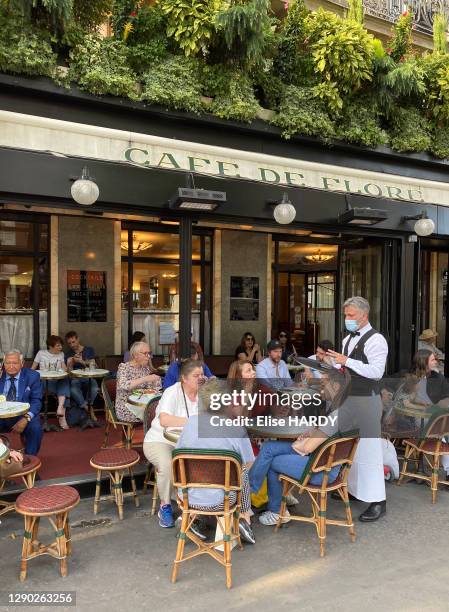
22, 385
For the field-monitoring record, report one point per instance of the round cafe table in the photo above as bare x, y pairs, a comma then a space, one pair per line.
137, 402
48, 375
89, 374
9, 410
172, 434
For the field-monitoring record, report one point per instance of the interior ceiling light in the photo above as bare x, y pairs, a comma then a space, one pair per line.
137, 245
318, 257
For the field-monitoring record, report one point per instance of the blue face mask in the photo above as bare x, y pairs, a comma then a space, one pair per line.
351, 325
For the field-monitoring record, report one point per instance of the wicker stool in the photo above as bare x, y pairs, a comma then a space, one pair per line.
53, 502
115, 461
27, 474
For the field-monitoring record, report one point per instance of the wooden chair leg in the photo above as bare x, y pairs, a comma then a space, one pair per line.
147, 479
407, 453
97, 492
349, 520
26, 546
118, 492
68, 535
134, 488
106, 434
155, 497
61, 542
181, 542
285, 488
35, 531
322, 523
434, 481
227, 549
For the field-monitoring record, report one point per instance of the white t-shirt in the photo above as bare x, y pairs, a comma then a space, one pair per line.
44, 357
171, 402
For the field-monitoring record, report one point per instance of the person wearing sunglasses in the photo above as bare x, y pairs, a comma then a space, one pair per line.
288, 348
248, 349
137, 373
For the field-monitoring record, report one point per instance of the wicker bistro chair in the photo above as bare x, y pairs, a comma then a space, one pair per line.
54, 502
337, 451
27, 474
150, 475
208, 469
429, 448
116, 462
108, 390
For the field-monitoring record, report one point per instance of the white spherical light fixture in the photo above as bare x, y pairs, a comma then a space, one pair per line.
424, 227
85, 190
285, 212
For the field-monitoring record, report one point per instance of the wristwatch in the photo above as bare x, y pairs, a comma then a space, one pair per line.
28, 417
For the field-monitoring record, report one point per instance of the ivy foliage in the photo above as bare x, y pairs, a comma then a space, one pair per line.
300, 112
410, 130
173, 83
232, 92
25, 50
100, 66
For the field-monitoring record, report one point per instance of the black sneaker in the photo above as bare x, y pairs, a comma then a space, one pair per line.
198, 527
246, 533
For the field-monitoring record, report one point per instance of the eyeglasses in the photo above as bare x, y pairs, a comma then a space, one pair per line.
282, 335
146, 353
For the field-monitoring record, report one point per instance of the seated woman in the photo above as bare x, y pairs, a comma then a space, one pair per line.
233, 438
136, 374
54, 357
248, 349
288, 348
177, 404
433, 387
284, 457
174, 371
136, 337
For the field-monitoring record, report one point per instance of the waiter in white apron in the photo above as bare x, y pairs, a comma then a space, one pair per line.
364, 356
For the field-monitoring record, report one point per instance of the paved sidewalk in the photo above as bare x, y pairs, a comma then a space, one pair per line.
399, 563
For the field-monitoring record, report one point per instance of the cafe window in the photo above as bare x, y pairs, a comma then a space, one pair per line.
24, 284
150, 285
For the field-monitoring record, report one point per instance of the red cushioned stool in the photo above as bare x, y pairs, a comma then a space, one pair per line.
54, 502
115, 461
27, 473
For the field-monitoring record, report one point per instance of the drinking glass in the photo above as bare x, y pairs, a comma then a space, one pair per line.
92, 364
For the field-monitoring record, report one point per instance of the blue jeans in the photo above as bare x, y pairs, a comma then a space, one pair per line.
58, 387
277, 457
79, 389
32, 432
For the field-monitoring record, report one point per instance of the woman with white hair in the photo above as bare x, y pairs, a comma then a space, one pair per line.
135, 374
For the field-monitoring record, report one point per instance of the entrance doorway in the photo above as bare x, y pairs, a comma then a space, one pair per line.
315, 274
433, 310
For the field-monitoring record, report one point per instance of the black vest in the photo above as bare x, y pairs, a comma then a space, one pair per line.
361, 386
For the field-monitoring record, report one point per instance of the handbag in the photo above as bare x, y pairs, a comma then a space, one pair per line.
10, 467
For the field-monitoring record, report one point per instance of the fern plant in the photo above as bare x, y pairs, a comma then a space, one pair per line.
243, 32
439, 33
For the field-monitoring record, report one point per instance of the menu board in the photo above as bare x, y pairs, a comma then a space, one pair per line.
244, 298
86, 296
166, 332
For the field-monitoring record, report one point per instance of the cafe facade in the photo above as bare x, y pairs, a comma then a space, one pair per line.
148, 256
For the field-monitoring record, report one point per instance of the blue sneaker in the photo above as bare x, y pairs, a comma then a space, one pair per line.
165, 515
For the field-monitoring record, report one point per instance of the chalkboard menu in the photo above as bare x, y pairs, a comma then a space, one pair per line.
244, 298
86, 296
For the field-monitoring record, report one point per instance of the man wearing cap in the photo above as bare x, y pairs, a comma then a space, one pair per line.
273, 369
426, 341
364, 356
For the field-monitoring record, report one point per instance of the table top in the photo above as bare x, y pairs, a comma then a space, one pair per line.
4, 452
295, 368
142, 399
426, 412
285, 432
52, 375
9, 410
172, 434
94, 373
